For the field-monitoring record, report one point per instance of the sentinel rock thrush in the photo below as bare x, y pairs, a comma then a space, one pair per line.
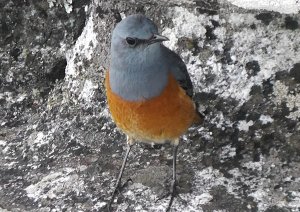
148, 89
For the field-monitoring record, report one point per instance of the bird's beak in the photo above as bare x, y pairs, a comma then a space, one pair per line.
157, 38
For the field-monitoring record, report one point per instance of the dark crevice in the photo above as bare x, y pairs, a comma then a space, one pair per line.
58, 71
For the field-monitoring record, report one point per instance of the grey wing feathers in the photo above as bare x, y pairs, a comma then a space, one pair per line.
179, 71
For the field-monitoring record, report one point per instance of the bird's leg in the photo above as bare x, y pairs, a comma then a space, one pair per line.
118, 183
173, 190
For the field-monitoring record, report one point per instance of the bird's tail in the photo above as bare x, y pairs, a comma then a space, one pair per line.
199, 117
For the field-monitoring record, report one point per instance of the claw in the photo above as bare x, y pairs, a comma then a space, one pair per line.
129, 180
173, 193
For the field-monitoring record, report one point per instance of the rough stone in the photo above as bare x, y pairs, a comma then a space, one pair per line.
60, 150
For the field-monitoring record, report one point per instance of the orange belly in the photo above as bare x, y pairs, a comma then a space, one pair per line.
165, 117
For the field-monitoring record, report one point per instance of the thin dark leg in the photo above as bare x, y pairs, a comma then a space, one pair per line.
118, 183
174, 182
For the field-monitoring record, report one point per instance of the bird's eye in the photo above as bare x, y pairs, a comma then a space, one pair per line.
131, 41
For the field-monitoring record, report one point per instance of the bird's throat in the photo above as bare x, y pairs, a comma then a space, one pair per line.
137, 85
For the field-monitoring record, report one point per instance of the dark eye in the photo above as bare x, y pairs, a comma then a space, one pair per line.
131, 41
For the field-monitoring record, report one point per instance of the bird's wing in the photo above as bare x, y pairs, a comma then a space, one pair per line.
179, 71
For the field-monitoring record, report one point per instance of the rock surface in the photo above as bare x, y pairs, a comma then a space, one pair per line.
60, 150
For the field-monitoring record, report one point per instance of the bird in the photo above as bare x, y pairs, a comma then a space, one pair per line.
149, 91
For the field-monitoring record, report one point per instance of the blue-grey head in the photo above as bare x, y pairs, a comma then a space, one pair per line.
138, 70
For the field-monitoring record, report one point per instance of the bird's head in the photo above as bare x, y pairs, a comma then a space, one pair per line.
134, 34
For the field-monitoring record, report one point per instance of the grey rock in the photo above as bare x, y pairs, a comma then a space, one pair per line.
60, 150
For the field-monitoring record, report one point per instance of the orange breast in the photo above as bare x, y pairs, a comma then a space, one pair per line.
165, 117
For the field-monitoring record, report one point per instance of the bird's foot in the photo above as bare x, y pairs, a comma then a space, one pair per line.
119, 188
129, 180
173, 193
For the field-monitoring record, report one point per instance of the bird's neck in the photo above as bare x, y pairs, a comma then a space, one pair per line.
140, 76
